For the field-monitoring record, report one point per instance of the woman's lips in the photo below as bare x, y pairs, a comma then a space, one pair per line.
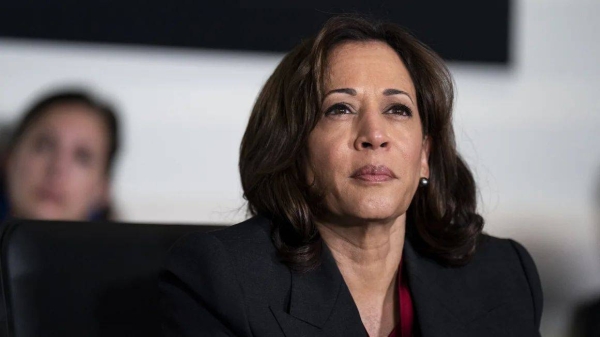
49, 195
372, 173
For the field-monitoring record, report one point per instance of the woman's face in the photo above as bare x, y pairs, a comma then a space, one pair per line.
57, 170
367, 152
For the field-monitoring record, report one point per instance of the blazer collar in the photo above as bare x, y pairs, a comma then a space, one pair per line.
435, 306
441, 295
322, 299
314, 294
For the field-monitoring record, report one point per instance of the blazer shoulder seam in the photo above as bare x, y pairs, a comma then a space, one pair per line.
517, 249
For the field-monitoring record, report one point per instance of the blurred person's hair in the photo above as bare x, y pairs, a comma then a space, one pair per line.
442, 220
79, 97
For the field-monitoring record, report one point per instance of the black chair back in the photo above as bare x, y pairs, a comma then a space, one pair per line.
84, 279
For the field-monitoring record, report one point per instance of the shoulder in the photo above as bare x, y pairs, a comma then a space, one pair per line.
500, 283
250, 236
243, 252
505, 256
213, 282
505, 264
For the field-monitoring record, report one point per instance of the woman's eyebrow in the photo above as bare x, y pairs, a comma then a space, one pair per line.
348, 91
391, 92
352, 92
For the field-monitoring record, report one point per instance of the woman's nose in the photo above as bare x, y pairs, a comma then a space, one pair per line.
58, 163
372, 134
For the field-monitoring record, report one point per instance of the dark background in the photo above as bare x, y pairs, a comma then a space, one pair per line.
474, 31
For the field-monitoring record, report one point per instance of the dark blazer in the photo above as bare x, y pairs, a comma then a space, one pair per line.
586, 320
231, 283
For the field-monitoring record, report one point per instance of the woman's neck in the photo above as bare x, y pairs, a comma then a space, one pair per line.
368, 257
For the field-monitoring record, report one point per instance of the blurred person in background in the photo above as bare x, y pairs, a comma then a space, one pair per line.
59, 160
586, 318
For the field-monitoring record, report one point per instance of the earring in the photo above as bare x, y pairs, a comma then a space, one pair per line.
423, 182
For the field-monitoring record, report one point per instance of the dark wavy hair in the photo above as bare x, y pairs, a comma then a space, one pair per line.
442, 221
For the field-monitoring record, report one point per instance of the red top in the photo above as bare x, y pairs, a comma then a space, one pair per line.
407, 314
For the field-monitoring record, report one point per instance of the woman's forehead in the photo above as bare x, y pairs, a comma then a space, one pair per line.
372, 64
74, 122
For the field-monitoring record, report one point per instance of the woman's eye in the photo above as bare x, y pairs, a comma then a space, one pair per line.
400, 109
43, 144
83, 157
338, 109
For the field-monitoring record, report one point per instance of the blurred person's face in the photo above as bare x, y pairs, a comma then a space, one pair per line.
57, 170
367, 152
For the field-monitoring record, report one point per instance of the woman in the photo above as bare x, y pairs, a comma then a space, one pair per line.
59, 160
365, 216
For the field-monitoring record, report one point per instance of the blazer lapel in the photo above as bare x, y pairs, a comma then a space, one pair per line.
435, 307
320, 304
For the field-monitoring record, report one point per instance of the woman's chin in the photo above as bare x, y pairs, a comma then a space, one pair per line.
369, 204
372, 213
47, 212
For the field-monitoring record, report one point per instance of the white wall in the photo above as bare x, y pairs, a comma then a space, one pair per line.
531, 132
